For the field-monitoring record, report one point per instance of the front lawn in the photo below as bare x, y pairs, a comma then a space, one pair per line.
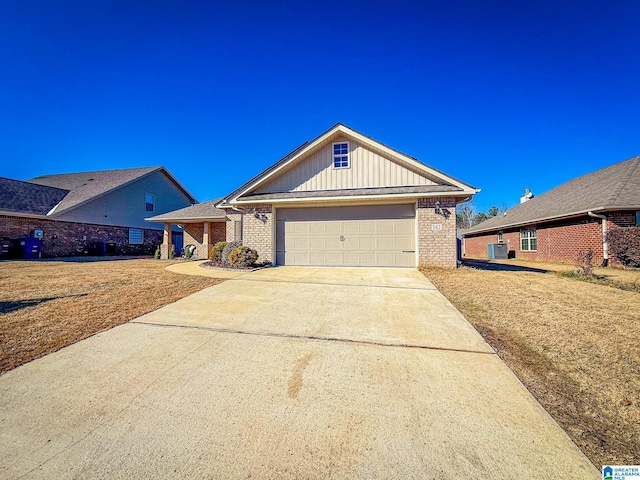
574, 344
47, 305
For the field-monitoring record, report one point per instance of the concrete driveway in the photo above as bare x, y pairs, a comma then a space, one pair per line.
283, 373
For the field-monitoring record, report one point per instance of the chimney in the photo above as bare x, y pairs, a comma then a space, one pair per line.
527, 196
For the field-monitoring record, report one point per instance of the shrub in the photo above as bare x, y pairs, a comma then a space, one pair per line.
585, 260
216, 251
157, 254
624, 245
243, 257
172, 253
228, 248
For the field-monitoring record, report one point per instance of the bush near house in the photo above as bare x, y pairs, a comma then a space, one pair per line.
624, 245
216, 251
243, 257
226, 251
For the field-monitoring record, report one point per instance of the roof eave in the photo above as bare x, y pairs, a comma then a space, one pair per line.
547, 219
341, 198
186, 219
9, 213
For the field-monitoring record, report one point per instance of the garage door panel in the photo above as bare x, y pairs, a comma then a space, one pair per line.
349, 236
405, 244
404, 228
385, 227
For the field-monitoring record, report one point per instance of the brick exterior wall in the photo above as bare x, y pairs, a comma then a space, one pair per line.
232, 218
257, 233
194, 235
436, 233
558, 242
64, 239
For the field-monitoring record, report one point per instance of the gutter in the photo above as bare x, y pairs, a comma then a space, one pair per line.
605, 246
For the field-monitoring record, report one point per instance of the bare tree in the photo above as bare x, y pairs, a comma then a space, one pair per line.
466, 215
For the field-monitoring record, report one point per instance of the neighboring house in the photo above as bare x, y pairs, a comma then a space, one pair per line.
342, 199
100, 212
571, 218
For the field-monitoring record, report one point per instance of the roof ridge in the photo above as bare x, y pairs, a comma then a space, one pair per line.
85, 172
617, 194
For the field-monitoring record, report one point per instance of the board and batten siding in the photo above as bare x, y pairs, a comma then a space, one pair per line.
368, 168
125, 207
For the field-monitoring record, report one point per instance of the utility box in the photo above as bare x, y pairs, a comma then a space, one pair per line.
498, 251
29, 248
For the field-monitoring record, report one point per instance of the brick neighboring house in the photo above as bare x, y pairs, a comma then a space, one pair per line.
100, 212
342, 199
568, 219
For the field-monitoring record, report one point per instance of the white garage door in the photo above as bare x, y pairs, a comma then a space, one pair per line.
382, 236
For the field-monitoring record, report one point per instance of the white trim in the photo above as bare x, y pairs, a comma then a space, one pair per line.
364, 140
333, 155
416, 228
274, 235
189, 220
349, 197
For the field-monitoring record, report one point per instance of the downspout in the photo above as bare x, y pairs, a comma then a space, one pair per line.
241, 220
605, 246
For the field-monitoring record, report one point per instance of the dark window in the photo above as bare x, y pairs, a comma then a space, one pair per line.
149, 202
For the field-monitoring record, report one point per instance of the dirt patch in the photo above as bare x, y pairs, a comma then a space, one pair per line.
45, 306
296, 380
574, 344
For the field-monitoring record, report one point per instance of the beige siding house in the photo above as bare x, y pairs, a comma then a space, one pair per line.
344, 199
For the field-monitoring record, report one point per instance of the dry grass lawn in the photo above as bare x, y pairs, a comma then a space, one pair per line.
574, 344
45, 306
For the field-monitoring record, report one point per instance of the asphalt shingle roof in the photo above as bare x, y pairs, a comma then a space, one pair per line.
610, 188
84, 186
199, 211
24, 197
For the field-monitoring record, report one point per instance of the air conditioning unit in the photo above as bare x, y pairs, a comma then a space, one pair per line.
498, 251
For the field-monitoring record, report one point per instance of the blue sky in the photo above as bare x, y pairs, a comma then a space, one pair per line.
503, 95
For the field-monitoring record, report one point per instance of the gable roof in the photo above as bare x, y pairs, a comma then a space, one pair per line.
610, 188
242, 194
23, 197
194, 213
85, 186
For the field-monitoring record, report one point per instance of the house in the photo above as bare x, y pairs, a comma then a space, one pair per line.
342, 199
96, 212
560, 223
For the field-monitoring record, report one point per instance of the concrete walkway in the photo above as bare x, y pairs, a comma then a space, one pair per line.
284, 373
194, 268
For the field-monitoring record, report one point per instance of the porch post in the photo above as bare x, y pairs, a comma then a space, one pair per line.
165, 248
206, 239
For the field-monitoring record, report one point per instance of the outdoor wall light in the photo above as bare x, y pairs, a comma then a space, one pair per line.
441, 211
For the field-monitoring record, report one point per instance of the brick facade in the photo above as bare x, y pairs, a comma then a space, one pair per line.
63, 239
558, 241
257, 230
436, 232
194, 235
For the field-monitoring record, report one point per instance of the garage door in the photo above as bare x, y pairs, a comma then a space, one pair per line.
382, 236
